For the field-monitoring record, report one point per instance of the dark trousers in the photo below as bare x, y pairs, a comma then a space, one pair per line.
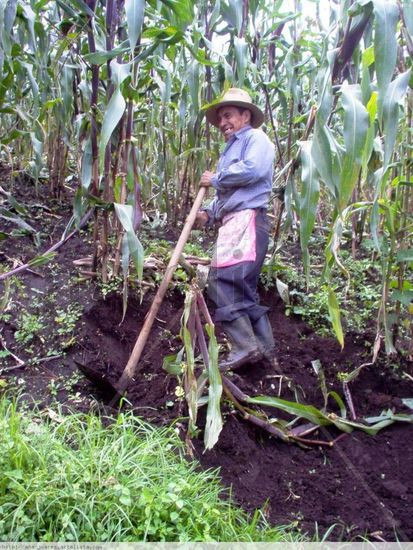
233, 289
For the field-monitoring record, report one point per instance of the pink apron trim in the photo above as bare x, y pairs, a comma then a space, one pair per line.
236, 241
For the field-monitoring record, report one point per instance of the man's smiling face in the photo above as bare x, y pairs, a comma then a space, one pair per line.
231, 119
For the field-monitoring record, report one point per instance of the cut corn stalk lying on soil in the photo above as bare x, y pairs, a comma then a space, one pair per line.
194, 380
198, 375
203, 384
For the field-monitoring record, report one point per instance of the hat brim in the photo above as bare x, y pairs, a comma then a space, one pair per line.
257, 116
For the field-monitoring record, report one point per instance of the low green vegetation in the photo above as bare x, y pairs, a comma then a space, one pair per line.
73, 479
29, 327
43, 324
67, 318
358, 293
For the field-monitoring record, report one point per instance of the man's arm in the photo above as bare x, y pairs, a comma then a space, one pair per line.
201, 219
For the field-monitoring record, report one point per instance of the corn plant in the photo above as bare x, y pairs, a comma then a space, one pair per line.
354, 147
194, 380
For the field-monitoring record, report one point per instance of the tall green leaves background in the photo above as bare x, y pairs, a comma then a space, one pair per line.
106, 97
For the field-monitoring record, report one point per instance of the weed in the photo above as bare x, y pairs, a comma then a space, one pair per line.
70, 382
114, 285
359, 295
72, 479
194, 249
66, 319
158, 247
53, 387
29, 327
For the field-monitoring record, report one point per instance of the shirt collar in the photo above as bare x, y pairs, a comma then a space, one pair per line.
242, 131
238, 134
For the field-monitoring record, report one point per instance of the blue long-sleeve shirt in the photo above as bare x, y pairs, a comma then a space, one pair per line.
244, 174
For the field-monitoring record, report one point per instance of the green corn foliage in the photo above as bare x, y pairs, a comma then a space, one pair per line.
114, 91
190, 383
349, 127
370, 425
214, 423
310, 192
193, 385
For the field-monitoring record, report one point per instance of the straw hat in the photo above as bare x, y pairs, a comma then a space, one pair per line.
237, 98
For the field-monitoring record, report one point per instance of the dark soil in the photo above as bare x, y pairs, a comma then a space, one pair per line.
363, 485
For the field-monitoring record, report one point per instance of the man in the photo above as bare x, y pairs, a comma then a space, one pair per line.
243, 181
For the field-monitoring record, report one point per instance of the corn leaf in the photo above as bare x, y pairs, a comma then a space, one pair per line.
241, 56
33, 83
322, 156
371, 425
368, 149
385, 44
191, 389
375, 424
134, 10
310, 192
296, 409
232, 13
193, 83
396, 91
183, 9
78, 5
408, 15
134, 247
367, 59
325, 149
41, 260
86, 167
101, 57
5, 214
334, 311
356, 123
30, 17
215, 14
115, 109
7, 18
213, 425
16, 205
340, 403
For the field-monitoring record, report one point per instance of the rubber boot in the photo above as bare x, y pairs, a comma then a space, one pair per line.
263, 333
245, 347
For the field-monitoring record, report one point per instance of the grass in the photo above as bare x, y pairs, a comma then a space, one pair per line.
71, 478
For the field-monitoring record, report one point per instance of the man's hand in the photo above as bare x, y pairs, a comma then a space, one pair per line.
206, 178
201, 219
